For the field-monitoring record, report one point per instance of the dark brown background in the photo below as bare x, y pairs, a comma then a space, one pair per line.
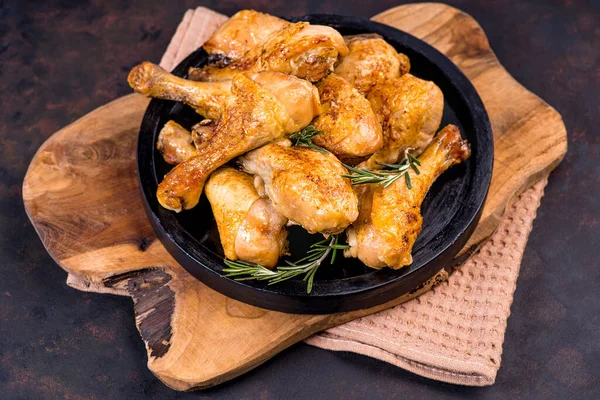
60, 60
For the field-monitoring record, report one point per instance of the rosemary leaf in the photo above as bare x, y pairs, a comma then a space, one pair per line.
387, 176
307, 266
305, 136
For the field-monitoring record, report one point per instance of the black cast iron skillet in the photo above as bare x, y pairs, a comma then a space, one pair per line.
450, 212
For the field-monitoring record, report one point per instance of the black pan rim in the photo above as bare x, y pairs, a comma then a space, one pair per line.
342, 294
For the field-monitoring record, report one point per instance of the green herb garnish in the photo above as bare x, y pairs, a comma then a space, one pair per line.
318, 253
305, 136
387, 176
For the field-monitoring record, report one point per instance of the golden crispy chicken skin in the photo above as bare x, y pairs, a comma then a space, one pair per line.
244, 31
305, 185
175, 143
370, 61
390, 218
253, 118
299, 97
351, 129
410, 111
300, 49
207, 98
249, 226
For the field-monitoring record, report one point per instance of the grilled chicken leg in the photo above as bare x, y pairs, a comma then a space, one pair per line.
305, 186
370, 61
211, 99
410, 111
351, 129
244, 31
249, 227
207, 98
390, 218
300, 49
267, 108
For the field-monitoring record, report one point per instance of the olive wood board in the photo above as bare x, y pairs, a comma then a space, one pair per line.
81, 193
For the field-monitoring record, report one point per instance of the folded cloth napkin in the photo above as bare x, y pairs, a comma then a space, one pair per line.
453, 333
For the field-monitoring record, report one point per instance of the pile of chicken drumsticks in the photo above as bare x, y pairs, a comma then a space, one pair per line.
270, 79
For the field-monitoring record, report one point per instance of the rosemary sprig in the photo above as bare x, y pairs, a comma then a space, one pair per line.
305, 136
388, 176
316, 255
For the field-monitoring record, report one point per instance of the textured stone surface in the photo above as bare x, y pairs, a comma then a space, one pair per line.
60, 60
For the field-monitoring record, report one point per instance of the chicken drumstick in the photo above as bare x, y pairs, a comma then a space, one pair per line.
244, 31
410, 111
300, 49
370, 61
305, 186
249, 226
390, 218
207, 98
350, 128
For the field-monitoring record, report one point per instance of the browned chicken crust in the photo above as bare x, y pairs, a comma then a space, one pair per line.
255, 117
244, 31
410, 111
250, 228
305, 186
390, 218
351, 129
370, 61
300, 49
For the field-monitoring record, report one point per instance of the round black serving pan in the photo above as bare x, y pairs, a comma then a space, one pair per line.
450, 212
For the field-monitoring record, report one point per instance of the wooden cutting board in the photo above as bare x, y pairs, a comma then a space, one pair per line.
81, 194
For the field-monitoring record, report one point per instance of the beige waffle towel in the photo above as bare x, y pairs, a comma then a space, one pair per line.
453, 333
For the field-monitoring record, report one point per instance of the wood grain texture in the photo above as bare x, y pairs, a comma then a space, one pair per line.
82, 195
